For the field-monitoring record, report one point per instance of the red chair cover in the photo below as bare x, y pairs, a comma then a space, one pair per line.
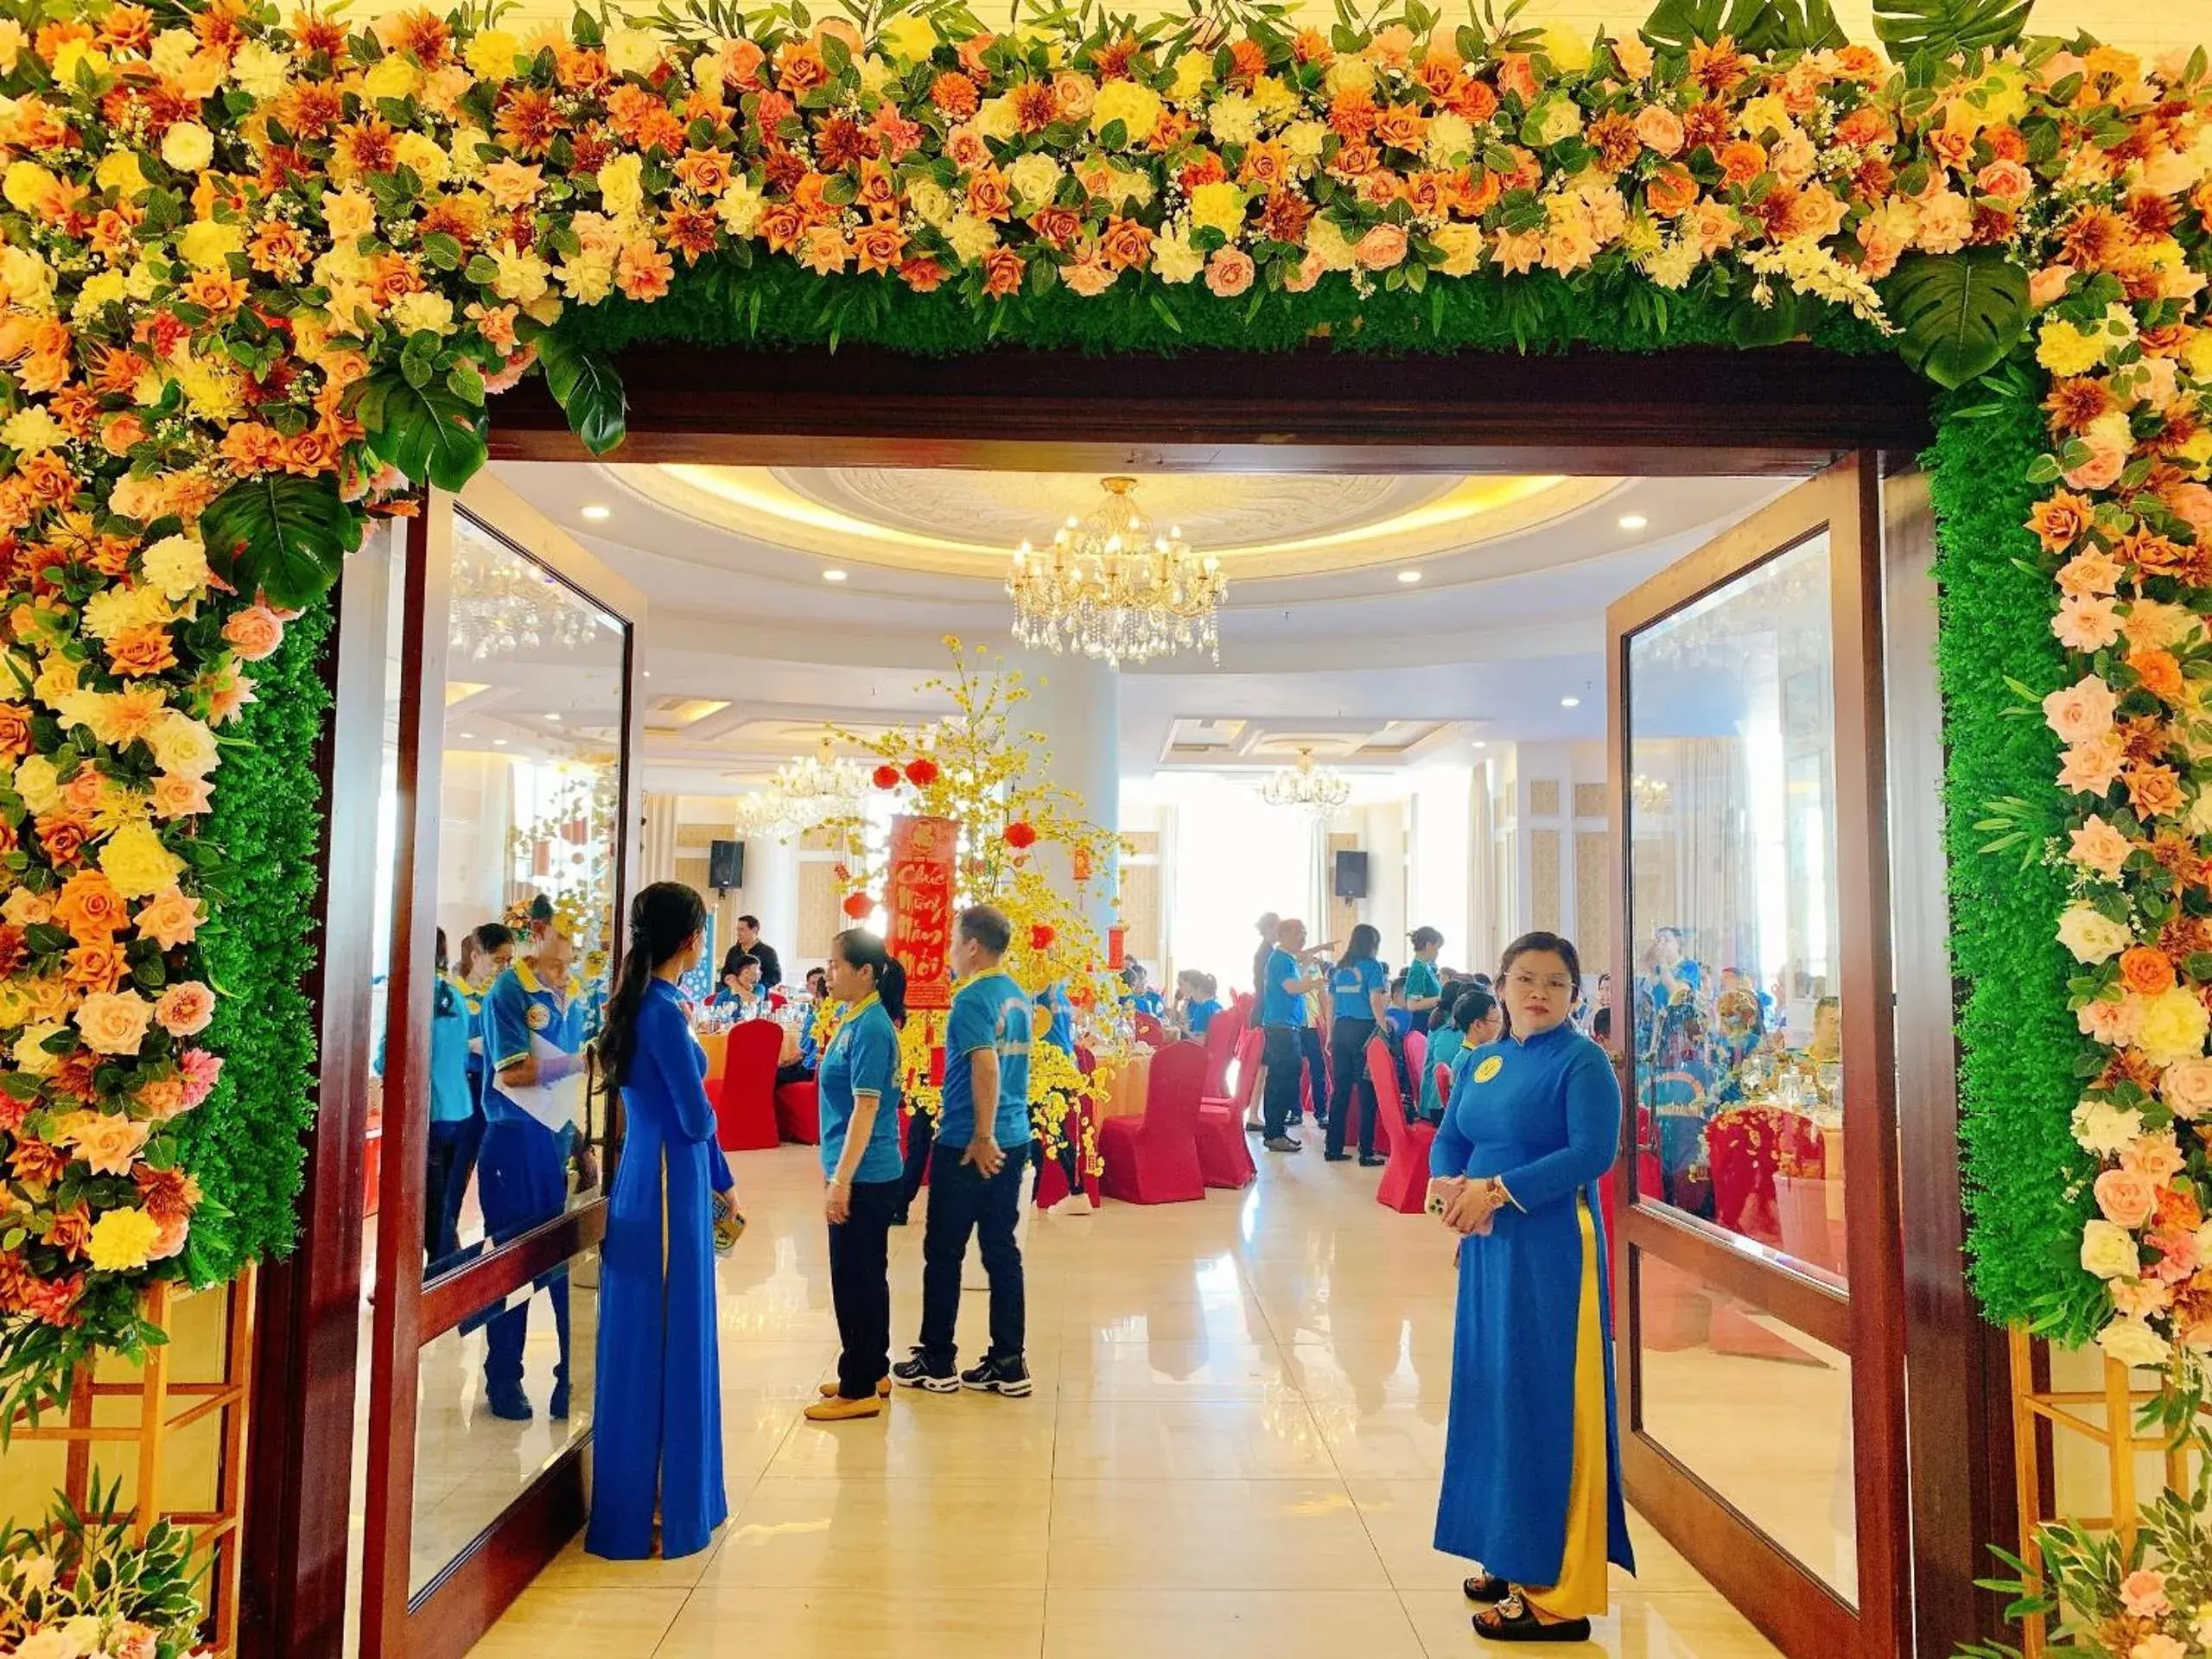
1154, 1159
1224, 1152
1222, 1032
1052, 1176
1149, 1029
1405, 1180
1747, 1147
1416, 1051
1443, 1084
799, 1113
745, 1112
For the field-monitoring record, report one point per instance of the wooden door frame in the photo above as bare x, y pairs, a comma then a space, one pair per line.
1796, 1609
1783, 411
443, 1620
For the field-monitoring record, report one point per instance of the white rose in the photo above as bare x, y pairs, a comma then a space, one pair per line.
1034, 178
929, 200
2109, 1251
260, 71
1450, 139
188, 147
2104, 1128
2091, 935
2132, 1341
1350, 75
1303, 140
632, 51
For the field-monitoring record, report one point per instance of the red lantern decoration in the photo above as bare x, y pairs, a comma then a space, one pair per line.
1019, 835
887, 776
857, 906
922, 772
1041, 937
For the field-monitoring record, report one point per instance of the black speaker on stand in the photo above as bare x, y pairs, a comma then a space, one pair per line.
724, 865
1350, 875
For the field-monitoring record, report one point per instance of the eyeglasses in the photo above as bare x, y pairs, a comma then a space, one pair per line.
1530, 983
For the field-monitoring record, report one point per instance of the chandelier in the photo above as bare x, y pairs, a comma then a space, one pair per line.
818, 786
1318, 789
1110, 588
1649, 794
761, 813
502, 603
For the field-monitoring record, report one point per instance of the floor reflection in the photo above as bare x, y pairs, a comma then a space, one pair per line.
1232, 1450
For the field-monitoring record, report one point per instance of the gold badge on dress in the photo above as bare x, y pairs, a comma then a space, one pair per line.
1489, 1068
539, 1017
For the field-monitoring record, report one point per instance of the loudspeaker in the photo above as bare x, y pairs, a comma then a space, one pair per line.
724, 865
1351, 875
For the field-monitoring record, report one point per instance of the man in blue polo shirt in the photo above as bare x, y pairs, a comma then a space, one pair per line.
982, 1139
534, 1035
1284, 986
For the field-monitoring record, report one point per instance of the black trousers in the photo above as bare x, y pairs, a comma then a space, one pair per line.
921, 1138
1348, 1040
1316, 1072
452, 1162
1283, 1060
962, 1203
859, 1287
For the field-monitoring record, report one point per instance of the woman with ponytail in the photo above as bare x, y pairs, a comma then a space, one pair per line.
857, 1087
656, 1427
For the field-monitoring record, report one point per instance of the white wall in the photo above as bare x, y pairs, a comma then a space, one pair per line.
1441, 895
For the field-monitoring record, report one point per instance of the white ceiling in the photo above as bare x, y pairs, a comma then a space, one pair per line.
1495, 633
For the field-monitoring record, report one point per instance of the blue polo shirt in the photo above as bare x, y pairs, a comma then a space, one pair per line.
518, 1006
1200, 1014
453, 1022
989, 1012
1053, 999
863, 1057
1282, 1007
1352, 985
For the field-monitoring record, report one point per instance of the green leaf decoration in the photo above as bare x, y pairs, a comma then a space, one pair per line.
1751, 325
1754, 25
281, 536
583, 382
426, 431
1958, 314
1949, 29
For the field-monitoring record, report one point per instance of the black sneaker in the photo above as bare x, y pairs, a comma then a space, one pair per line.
1335, 1157
1007, 1376
1372, 1160
915, 1373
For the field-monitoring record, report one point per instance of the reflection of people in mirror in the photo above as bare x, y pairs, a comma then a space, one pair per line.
534, 1037
657, 1420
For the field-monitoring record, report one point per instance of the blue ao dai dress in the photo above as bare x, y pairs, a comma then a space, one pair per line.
1532, 1458
656, 1431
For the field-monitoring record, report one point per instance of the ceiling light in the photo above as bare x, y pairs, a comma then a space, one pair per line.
555, 718
1111, 587
1409, 576
596, 510
833, 575
470, 736
499, 742
1318, 789
1570, 703
1633, 521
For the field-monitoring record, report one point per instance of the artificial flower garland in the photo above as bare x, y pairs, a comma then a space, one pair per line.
255, 277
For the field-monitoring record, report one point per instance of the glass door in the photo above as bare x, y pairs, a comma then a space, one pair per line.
1758, 1254
514, 833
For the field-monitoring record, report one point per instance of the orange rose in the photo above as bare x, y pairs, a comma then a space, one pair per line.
1126, 245
184, 1008
114, 1022
89, 906
2059, 521
168, 918
2146, 969
1671, 192
2159, 673
1380, 248
1229, 272
254, 633
98, 966
2154, 791
1741, 162
14, 731
880, 247
989, 196
142, 651
1659, 128
1401, 127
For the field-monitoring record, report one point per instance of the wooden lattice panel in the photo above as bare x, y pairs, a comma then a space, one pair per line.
1544, 873
1589, 800
1592, 919
1543, 798
819, 918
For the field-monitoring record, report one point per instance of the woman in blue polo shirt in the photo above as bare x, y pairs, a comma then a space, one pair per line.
858, 1093
456, 1125
1359, 1000
534, 1037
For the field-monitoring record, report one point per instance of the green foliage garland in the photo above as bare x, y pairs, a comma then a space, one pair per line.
2022, 1173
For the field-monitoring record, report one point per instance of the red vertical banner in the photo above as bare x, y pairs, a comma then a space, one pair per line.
918, 891
1117, 945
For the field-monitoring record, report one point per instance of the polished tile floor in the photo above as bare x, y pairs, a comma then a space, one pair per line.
1232, 1451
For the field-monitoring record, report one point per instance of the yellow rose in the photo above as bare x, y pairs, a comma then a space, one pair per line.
30, 430
188, 147
425, 155
31, 1053
1568, 50
1034, 177
491, 55
622, 183
351, 215
1349, 75
1304, 139
114, 1022
120, 171
415, 313
2196, 356
1218, 207
27, 185
2065, 350
632, 51
38, 783
1175, 259
2173, 1027
1192, 70
123, 1241
1463, 248
207, 244
908, 38
392, 76
1135, 105
135, 860
996, 119
182, 744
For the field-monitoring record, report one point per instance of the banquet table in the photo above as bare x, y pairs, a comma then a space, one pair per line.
1125, 1096
716, 1043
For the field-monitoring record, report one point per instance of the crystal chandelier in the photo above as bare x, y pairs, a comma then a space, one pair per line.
761, 813
502, 603
1649, 794
819, 787
1110, 588
1318, 789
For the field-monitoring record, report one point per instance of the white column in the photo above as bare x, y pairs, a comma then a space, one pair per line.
1077, 703
770, 892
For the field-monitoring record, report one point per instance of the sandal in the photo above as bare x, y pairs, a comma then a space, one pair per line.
1514, 1620
1487, 1588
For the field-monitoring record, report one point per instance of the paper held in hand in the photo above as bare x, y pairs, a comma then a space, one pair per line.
556, 1104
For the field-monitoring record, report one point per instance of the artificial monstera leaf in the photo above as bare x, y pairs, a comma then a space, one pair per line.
1751, 325
429, 432
1949, 29
280, 536
584, 383
1754, 25
1957, 314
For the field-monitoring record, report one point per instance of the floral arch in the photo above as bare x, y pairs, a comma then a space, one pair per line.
258, 278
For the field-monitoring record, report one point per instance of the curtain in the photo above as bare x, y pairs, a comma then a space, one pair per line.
660, 838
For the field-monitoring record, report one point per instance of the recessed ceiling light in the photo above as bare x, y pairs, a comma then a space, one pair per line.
499, 742
471, 736
1408, 576
598, 509
1633, 521
555, 718
833, 575
1570, 703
